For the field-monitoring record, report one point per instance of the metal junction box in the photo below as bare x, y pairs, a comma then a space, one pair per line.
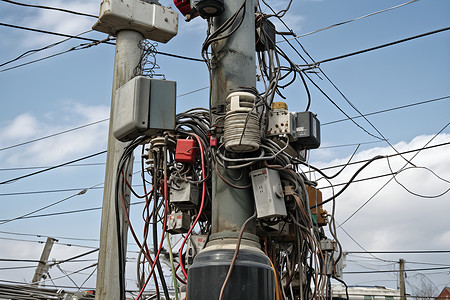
268, 193
144, 106
155, 22
178, 223
280, 122
307, 130
184, 195
195, 244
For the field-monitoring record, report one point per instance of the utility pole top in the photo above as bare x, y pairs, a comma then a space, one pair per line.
42, 267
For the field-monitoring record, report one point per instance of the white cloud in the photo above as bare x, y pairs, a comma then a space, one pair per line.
59, 148
395, 219
60, 22
22, 126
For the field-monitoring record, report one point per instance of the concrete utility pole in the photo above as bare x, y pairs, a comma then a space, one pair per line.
42, 267
127, 58
402, 279
233, 66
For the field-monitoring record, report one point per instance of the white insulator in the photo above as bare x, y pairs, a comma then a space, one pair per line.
241, 129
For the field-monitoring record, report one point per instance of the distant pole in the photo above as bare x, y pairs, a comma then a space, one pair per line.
109, 272
42, 266
402, 279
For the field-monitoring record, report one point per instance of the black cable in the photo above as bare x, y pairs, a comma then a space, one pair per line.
51, 168
93, 40
379, 47
343, 282
365, 160
42, 235
381, 188
349, 182
387, 110
34, 51
47, 191
400, 252
52, 135
396, 271
348, 21
75, 48
155, 249
51, 8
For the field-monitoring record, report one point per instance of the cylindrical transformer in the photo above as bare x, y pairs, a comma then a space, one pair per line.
252, 276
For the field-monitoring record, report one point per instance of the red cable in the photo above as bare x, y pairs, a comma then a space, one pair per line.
180, 255
162, 236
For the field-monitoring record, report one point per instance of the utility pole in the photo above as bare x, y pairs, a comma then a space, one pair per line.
130, 21
232, 67
402, 279
109, 272
42, 267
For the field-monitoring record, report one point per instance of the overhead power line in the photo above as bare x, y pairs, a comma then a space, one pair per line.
378, 47
392, 155
92, 40
43, 167
396, 271
52, 168
387, 182
48, 236
54, 134
75, 48
388, 109
51, 8
399, 251
352, 20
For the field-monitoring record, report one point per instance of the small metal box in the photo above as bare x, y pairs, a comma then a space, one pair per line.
155, 22
184, 195
307, 130
280, 122
179, 222
268, 193
195, 244
144, 106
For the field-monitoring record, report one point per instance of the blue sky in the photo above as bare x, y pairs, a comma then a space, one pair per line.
74, 89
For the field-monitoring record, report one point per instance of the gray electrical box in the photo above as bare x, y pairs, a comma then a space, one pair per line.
144, 106
179, 222
184, 195
268, 193
153, 21
195, 244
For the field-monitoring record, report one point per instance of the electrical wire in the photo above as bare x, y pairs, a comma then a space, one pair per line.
388, 109
53, 135
45, 207
93, 40
378, 47
385, 184
396, 271
400, 252
236, 252
51, 8
352, 20
52, 168
75, 48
